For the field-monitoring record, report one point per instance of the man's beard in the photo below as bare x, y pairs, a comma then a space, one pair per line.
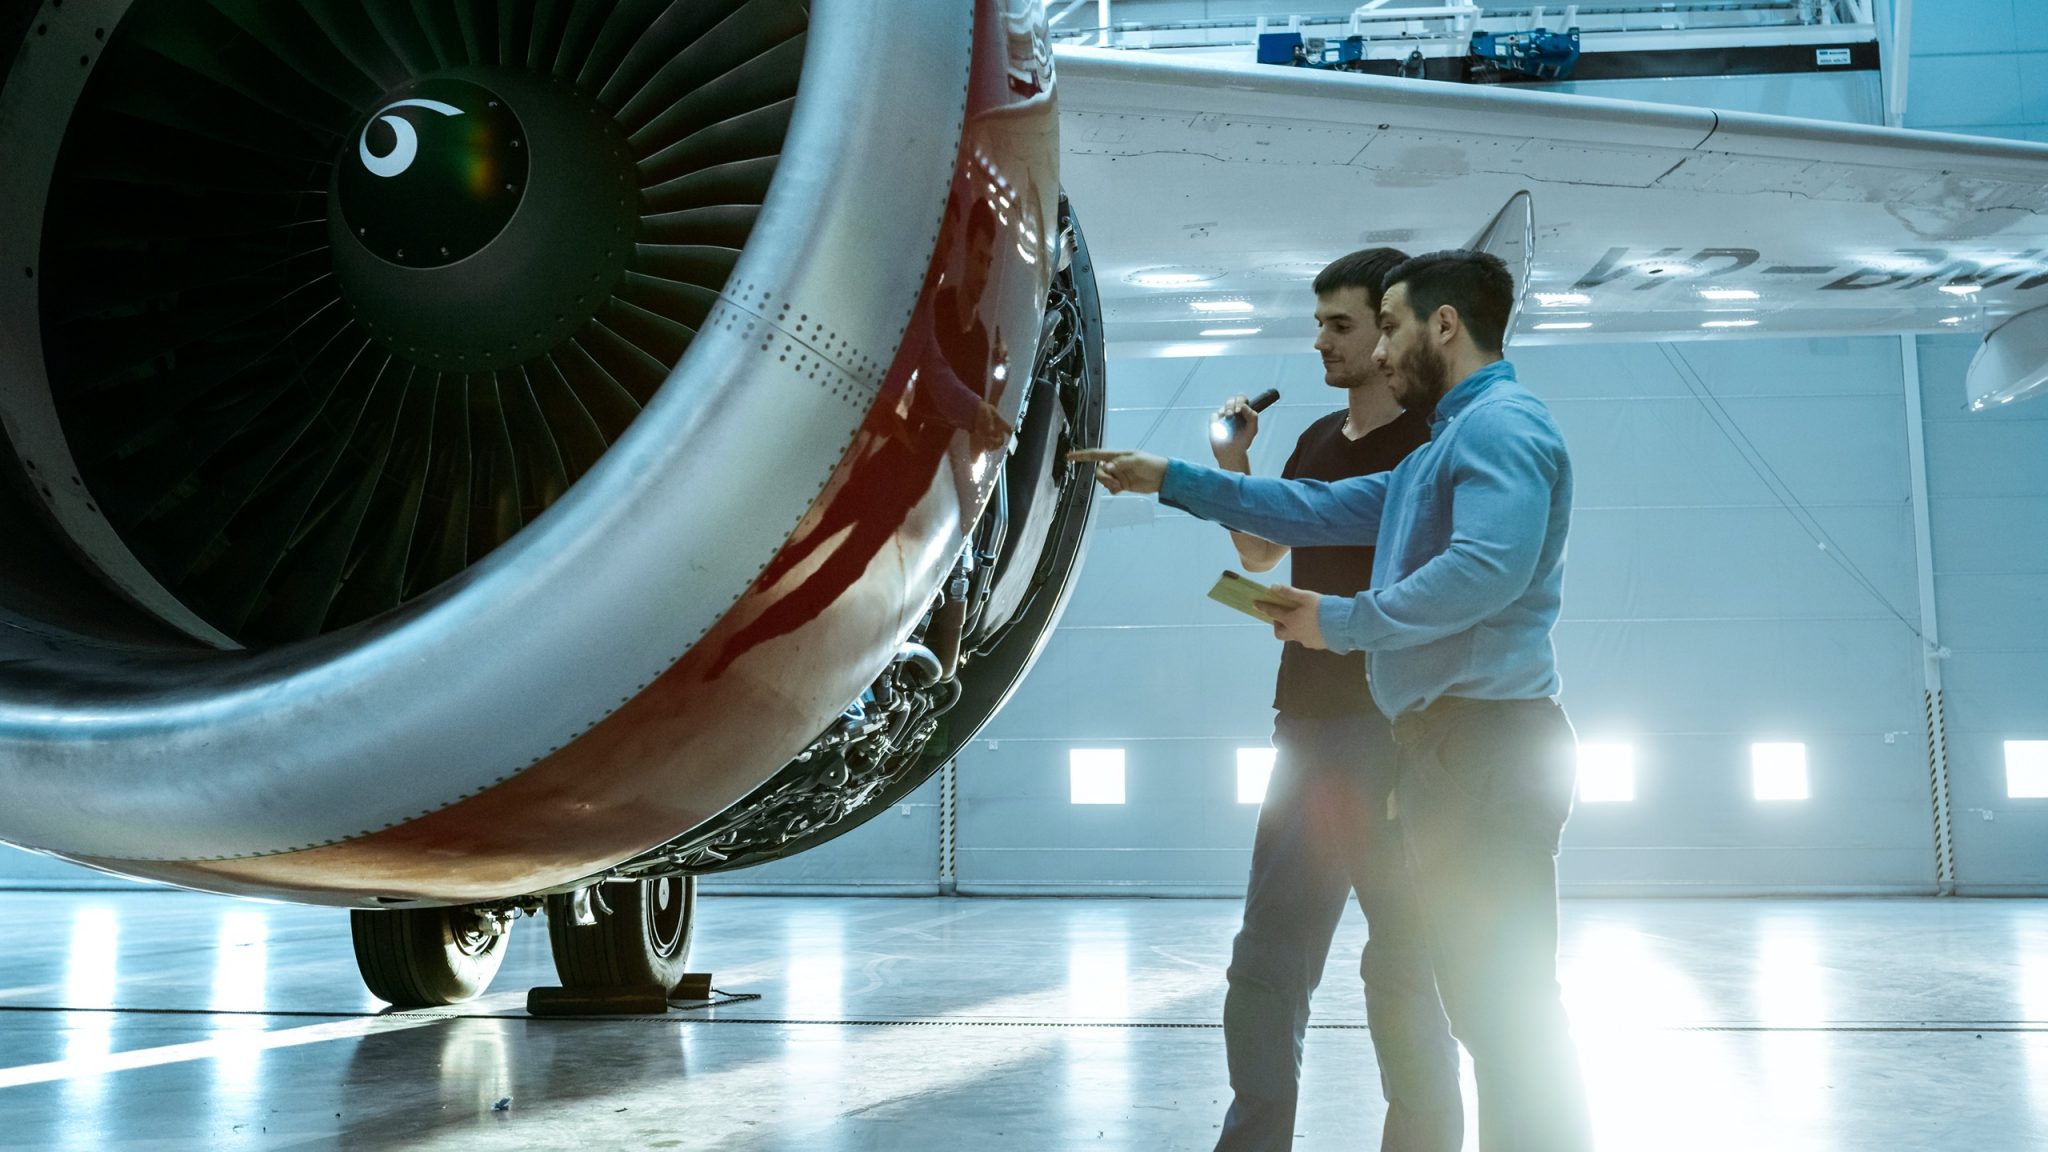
1424, 377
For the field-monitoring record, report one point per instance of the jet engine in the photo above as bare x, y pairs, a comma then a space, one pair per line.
467, 456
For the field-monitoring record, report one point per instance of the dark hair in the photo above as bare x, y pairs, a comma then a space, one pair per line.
1477, 284
1365, 268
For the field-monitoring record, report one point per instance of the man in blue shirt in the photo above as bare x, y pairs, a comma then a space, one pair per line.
1323, 831
1470, 533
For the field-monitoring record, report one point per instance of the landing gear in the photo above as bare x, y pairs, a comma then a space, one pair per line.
637, 933
425, 957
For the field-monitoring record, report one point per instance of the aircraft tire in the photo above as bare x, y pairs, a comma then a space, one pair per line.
644, 938
424, 957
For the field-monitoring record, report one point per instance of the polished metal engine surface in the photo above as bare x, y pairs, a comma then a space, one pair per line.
139, 756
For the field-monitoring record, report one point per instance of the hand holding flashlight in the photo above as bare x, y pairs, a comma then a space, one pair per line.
1237, 423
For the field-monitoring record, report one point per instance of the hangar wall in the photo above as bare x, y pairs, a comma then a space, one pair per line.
1699, 614
1699, 617
1988, 494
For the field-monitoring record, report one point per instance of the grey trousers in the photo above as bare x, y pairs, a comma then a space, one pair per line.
1323, 833
1484, 792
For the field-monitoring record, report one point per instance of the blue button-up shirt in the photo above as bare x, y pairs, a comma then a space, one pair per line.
1470, 532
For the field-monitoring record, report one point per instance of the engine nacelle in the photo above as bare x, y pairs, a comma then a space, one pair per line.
459, 451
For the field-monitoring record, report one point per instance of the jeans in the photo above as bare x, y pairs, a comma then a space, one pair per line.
1484, 792
1323, 832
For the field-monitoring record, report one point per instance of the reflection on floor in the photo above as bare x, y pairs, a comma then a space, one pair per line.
169, 1020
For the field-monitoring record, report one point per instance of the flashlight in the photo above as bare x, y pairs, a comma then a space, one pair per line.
1224, 427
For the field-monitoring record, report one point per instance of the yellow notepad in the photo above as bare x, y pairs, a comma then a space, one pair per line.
1235, 591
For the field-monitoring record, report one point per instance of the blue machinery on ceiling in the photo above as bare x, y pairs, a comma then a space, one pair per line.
1542, 54
1537, 55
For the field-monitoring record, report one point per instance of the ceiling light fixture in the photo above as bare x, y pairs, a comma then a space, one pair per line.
1232, 331
1727, 294
1560, 326
1173, 276
1729, 324
1962, 289
1562, 299
1220, 305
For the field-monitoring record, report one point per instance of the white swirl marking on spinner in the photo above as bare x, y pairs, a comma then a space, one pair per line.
402, 154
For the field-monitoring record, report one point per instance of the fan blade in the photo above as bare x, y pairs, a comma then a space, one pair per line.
703, 265
682, 306
373, 580
747, 33
550, 19
479, 21
636, 371
494, 496
607, 401
683, 24
309, 576
440, 545
95, 216
127, 151
515, 27
185, 528
207, 45
543, 476
721, 226
402, 34
741, 182
259, 534
442, 30
159, 91
768, 78
146, 278
291, 35
628, 22
658, 338
579, 441
347, 25
578, 37
751, 136
115, 342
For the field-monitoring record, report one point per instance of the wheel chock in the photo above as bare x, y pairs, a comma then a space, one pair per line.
693, 986
631, 1000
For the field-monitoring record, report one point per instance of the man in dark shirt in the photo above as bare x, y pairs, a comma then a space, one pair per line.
1323, 828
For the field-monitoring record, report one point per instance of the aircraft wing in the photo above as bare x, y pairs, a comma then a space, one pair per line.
1215, 192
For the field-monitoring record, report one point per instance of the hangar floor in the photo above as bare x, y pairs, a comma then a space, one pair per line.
170, 1021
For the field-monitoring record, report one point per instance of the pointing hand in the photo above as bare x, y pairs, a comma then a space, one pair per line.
1120, 471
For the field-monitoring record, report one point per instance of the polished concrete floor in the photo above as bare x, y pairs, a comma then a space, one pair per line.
156, 1020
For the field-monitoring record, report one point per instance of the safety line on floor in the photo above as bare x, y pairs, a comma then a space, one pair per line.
678, 1015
